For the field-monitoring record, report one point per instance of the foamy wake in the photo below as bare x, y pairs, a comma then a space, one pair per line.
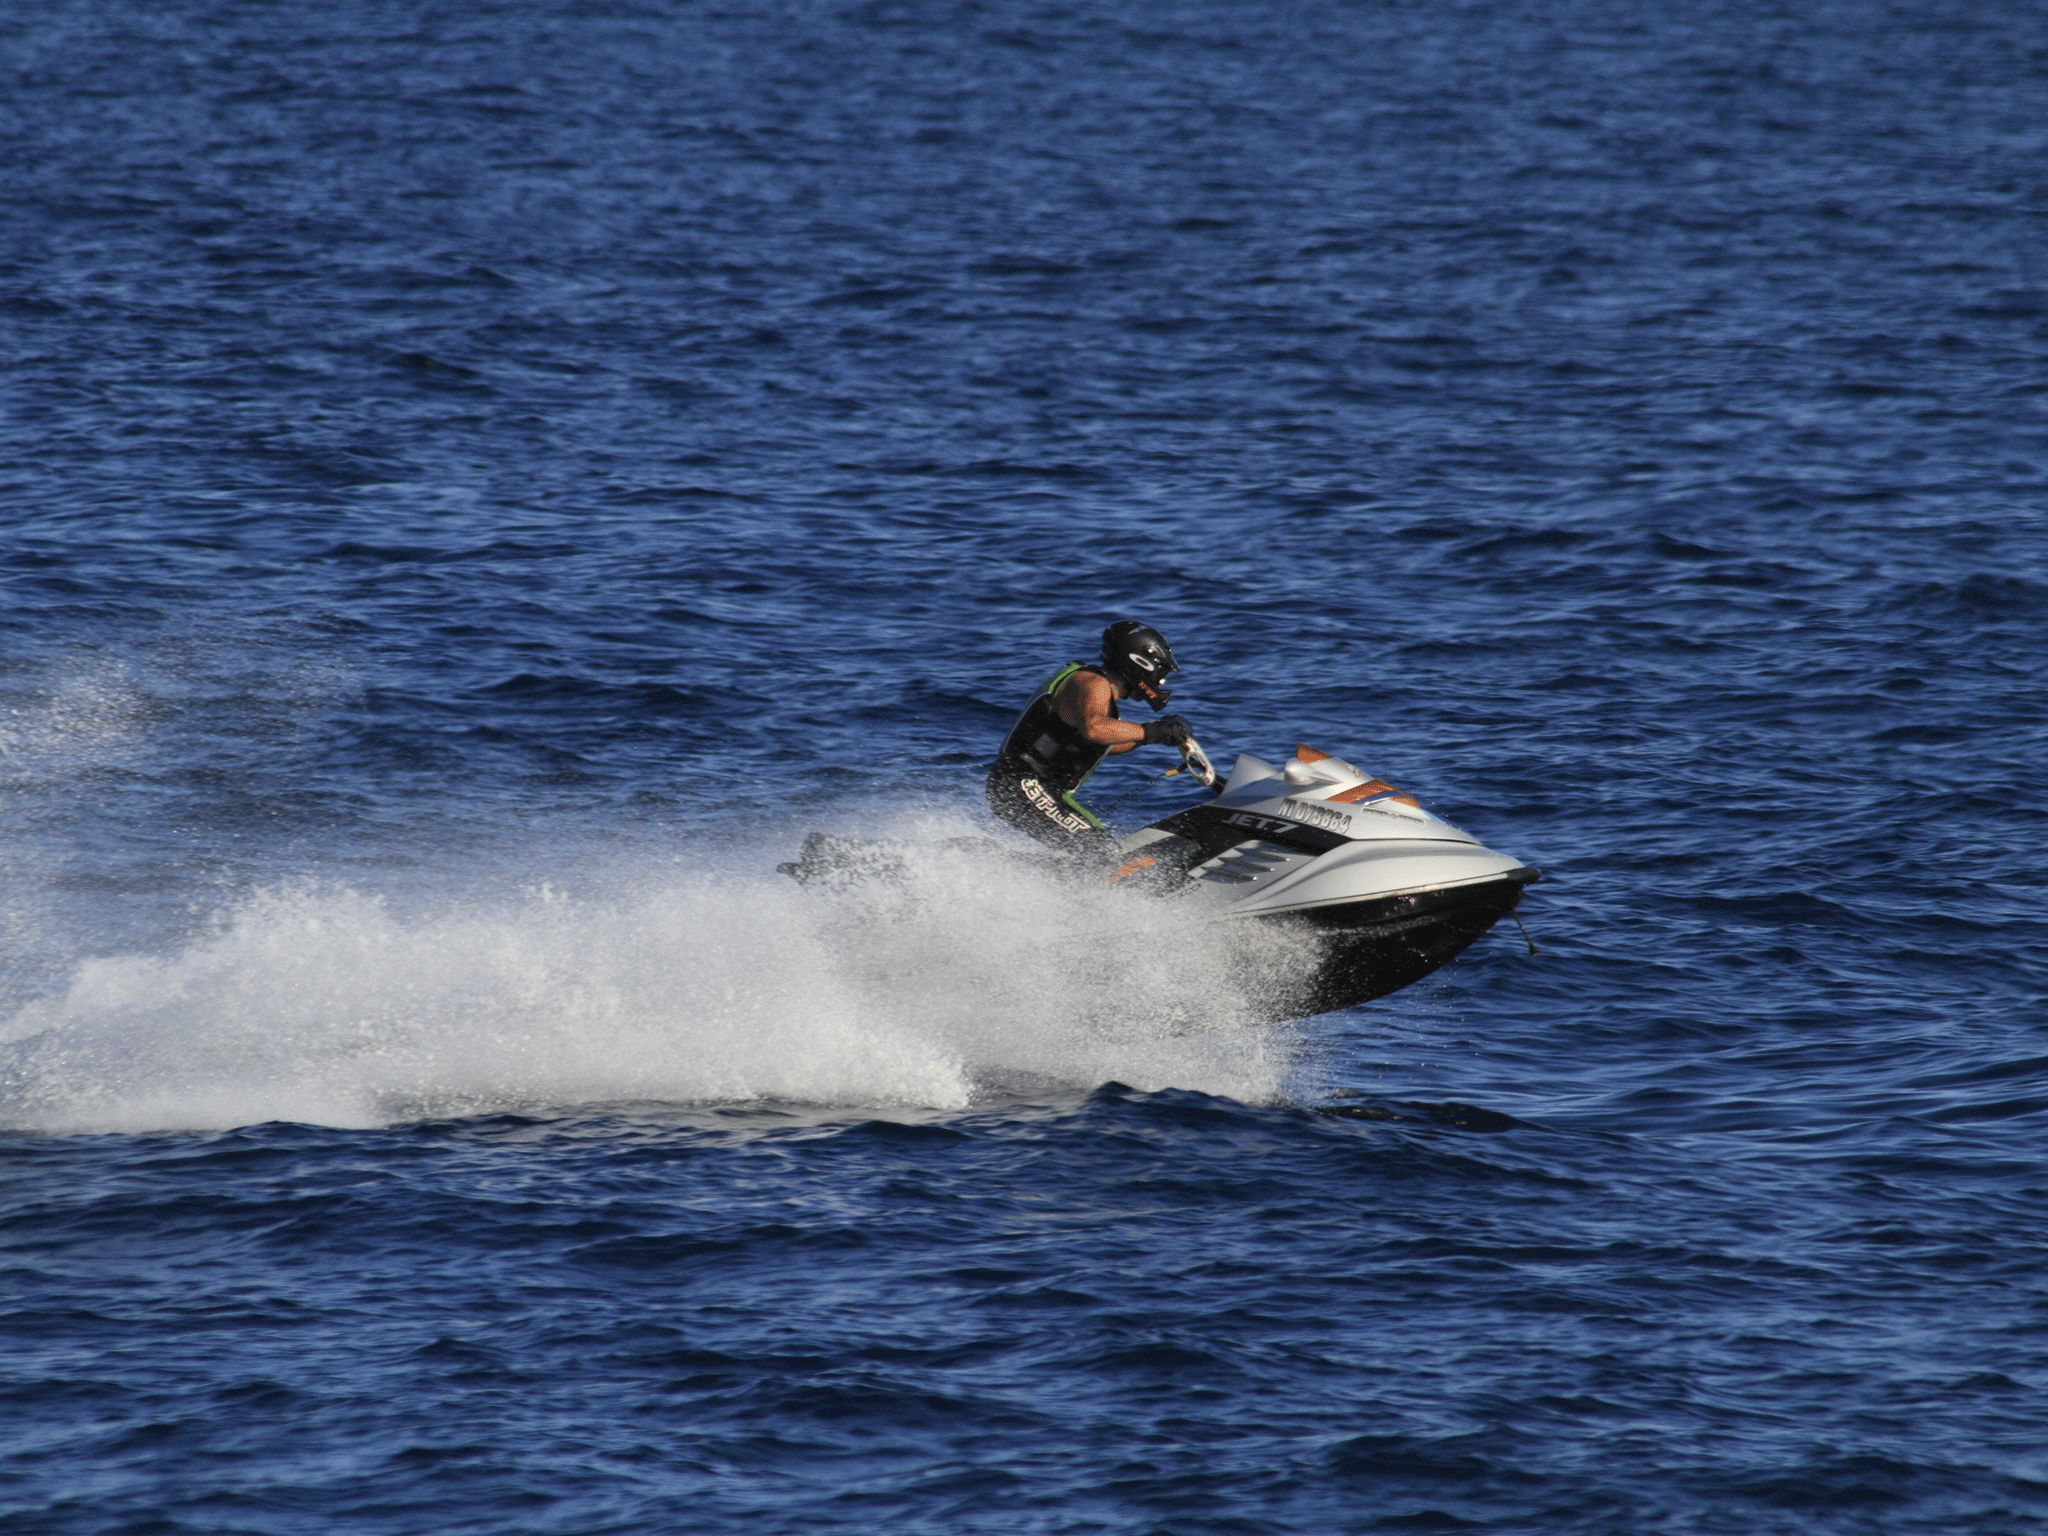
337, 1007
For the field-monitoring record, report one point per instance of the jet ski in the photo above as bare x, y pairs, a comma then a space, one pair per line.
1393, 891
1385, 891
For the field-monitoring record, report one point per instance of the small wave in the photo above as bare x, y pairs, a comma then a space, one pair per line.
1978, 596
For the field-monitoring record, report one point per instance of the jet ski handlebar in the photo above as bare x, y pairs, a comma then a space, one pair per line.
1195, 761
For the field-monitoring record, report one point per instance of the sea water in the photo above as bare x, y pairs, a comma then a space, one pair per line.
482, 482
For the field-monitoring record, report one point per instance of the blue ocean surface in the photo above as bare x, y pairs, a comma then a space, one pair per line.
482, 482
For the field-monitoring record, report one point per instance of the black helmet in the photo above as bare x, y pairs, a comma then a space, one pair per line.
1138, 656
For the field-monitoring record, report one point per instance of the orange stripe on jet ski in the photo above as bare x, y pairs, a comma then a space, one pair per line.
1141, 862
1376, 788
1309, 754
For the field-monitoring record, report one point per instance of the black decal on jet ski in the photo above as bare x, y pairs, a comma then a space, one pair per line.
1212, 828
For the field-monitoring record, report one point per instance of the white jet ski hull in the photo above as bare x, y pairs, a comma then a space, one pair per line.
1391, 892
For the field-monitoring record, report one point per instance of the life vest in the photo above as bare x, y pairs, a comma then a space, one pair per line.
1048, 749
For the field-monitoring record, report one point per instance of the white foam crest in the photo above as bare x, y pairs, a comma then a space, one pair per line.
337, 1007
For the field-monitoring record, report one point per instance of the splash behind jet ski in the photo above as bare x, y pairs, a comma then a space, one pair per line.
1387, 891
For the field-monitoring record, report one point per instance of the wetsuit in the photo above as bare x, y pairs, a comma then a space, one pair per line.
1043, 762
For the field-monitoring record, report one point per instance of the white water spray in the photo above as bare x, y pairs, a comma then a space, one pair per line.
340, 1008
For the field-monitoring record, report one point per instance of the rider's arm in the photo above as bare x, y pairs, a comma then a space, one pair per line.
1084, 701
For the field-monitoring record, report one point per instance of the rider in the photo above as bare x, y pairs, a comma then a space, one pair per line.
1071, 727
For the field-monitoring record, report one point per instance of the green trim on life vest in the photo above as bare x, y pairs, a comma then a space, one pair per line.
1053, 684
1081, 810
